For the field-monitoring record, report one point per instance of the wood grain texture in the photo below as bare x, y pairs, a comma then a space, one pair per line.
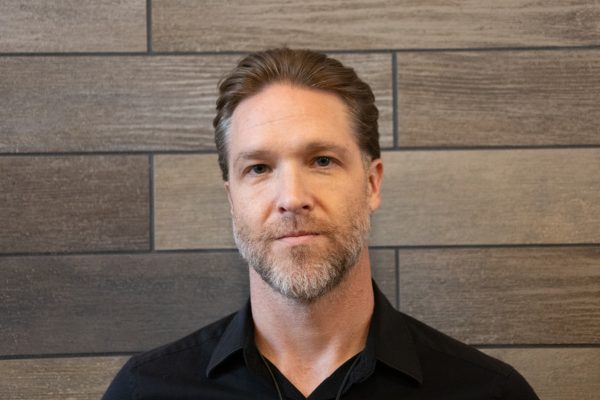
58, 104
114, 303
54, 104
383, 268
499, 98
74, 203
184, 25
81, 378
190, 205
555, 373
505, 295
489, 197
125, 303
72, 26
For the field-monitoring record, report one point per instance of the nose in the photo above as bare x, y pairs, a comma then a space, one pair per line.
293, 191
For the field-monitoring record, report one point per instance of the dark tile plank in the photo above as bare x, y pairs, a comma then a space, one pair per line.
124, 303
556, 373
73, 203
72, 26
383, 268
184, 25
58, 104
114, 303
499, 98
78, 378
489, 197
505, 295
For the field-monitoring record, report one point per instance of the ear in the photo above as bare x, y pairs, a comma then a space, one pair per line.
374, 183
228, 191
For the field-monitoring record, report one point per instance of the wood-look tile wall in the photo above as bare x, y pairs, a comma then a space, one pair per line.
114, 231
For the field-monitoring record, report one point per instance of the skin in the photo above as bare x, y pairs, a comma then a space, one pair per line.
293, 152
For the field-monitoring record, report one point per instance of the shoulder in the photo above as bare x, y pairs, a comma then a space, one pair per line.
175, 360
198, 344
445, 359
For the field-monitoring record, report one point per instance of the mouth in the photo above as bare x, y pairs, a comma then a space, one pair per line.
298, 237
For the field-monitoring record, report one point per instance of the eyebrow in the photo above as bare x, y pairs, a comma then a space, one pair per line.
311, 147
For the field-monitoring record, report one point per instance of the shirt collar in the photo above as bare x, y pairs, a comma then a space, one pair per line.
393, 341
238, 335
389, 341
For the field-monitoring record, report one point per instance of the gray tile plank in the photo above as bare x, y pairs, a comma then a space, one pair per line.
61, 104
126, 302
72, 26
184, 25
505, 295
489, 197
74, 203
58, 104
499, 98
383, 269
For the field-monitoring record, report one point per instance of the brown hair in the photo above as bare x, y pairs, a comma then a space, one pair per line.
303, 68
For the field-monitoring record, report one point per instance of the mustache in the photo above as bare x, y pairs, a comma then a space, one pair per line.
294, 224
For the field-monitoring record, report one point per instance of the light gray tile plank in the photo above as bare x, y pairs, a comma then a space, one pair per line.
489, 197
186, 25
557, 373
499, 98
75, 378
505, 295
72, 26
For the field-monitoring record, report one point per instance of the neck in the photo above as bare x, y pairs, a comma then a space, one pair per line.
304, 340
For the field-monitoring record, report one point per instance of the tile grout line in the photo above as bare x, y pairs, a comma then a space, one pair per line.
397, 262
149, 26
151, 201
395, 95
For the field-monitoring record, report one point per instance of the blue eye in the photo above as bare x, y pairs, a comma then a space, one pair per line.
323, 161
259, 169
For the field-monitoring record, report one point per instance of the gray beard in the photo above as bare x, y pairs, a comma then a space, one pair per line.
304, 274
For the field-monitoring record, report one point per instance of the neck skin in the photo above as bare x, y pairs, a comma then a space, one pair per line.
307, 342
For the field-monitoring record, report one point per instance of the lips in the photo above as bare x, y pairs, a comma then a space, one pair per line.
297, 238
297, 234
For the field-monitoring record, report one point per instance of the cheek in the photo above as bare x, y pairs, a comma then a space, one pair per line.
249, 206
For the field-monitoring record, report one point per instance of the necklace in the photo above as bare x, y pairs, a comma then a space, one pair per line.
340, 389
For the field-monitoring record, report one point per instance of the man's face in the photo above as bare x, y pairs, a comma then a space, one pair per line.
299, 190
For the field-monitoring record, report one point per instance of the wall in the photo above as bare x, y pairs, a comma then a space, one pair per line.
114, 229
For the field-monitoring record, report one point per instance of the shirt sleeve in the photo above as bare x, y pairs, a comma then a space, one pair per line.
517, 388
121, 387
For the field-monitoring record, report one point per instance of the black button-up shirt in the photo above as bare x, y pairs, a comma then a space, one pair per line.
403, 359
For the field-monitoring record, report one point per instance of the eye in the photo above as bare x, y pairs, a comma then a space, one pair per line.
323, 161
258, 169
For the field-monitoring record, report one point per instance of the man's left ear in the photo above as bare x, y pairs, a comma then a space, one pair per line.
375, 179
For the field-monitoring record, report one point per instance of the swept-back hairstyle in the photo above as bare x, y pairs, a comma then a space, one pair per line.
304, 68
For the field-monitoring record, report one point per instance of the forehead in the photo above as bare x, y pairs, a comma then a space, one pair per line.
289, 116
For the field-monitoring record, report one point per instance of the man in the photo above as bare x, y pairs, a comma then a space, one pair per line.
297, 138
